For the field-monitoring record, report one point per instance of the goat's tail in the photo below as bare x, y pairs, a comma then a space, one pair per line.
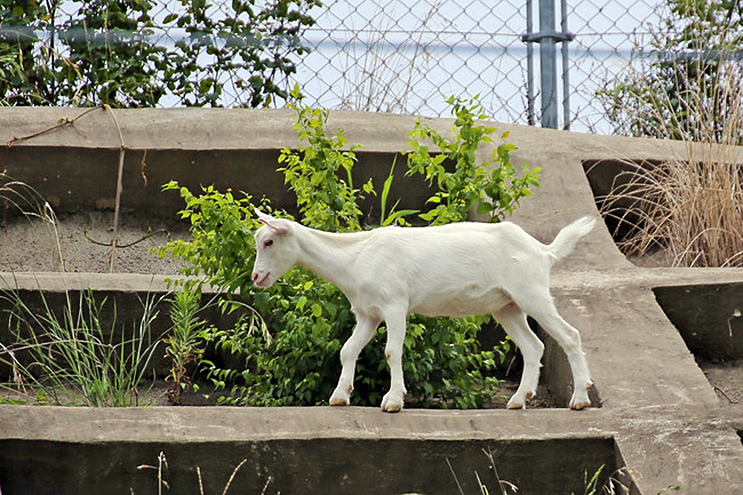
569, 236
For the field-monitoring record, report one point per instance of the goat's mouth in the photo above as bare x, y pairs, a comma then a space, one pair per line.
262, 282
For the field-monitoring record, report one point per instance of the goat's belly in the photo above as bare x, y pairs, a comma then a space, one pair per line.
464, 303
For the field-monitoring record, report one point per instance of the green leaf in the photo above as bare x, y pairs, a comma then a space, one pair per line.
483, 208
316, 310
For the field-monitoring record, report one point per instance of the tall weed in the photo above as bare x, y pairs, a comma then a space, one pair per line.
691, 206
690, 88
184, 344
71, 359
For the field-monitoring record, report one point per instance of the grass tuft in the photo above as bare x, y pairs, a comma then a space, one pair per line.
71, 359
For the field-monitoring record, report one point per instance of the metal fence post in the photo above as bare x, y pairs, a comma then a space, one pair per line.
548, 37
548, 63
529, 65
565, 71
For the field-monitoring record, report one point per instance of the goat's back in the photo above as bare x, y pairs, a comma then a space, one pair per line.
454, 269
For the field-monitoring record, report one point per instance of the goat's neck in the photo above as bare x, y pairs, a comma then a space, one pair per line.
329, 255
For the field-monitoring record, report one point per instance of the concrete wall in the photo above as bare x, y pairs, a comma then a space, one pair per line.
335, 465
658, 413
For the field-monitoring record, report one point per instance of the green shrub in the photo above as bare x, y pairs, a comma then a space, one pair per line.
310, 318
325, 199
494, 188
102, 52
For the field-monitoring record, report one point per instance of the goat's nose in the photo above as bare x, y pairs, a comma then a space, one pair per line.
255, 276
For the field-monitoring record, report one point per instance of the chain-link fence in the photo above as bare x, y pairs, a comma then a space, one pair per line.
402, 56
407, 55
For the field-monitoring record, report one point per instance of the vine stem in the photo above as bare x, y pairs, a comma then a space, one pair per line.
119, 188
62, 123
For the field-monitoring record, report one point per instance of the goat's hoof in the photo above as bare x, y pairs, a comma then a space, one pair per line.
392, 408
339, 399
580, 399
391, 405
578, 404
519, 400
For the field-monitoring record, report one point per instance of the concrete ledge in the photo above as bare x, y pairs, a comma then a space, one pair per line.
239, 424
303, 450
366, 450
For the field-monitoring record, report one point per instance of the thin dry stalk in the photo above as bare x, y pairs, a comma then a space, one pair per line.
503, 485
162, 470
119, 187
454, 475
51, 219
614, 485
385, 78
18, 197
232, 477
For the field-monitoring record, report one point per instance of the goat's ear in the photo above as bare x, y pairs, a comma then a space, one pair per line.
279, 225
263, 217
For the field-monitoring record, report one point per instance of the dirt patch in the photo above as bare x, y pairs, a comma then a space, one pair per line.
73, 244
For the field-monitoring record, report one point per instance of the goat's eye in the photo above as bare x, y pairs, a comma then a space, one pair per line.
268, 243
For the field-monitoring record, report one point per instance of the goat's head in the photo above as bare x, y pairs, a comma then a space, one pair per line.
275, 249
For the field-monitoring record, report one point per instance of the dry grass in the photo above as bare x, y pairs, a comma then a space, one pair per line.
386, 73
689, 206
163, 484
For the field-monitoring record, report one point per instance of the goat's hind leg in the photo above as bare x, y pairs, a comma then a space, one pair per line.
545, 313
516, 326
362, 334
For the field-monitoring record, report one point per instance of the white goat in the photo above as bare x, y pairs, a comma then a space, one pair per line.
452, 270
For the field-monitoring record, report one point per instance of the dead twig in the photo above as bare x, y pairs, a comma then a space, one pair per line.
119, 187
724, 394
124, 246
63, 122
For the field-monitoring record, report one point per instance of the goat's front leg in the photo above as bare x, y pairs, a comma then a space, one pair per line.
362, 334
396, 327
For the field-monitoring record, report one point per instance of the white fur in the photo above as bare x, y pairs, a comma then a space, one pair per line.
451, 270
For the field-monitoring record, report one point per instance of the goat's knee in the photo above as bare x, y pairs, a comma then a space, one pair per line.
349, 353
